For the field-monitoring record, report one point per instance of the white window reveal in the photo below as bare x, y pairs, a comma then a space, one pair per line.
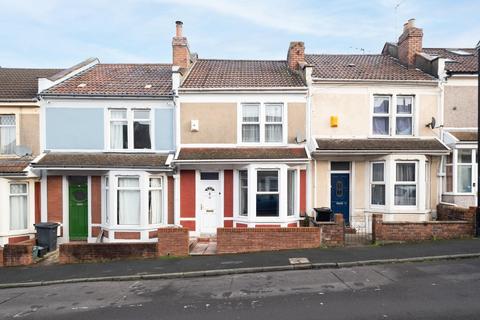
243, 190
377, 182
7, 134
130, 129
18, 206
128, 200
396, 122
262, 123
267, 198
405, 193
155, 203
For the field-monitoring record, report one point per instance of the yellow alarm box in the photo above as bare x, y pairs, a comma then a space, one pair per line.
333, 121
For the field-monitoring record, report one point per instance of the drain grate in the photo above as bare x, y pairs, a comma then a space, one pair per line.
296, 261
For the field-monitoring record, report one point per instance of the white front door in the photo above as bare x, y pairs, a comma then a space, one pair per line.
209, 201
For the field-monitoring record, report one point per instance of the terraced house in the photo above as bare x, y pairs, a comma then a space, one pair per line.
19, 144
241, 141
107, 141
373, 144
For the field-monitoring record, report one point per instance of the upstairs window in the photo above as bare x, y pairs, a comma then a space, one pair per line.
130, 129
262, 123
7, 134
393, 121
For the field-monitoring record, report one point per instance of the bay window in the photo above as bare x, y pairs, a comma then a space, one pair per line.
130, 129
155, 203
128, 200
377, 183
405, 184
267, 197
399, 121
18, 206
460, 168
262, 123
7, 134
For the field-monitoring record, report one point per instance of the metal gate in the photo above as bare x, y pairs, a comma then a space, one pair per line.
359, 233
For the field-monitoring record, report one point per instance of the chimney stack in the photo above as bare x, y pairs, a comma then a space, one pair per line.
181, 52
409, 43
296, 54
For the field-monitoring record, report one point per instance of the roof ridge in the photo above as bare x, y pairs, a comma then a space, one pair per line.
244, 60
135, 64
345, 54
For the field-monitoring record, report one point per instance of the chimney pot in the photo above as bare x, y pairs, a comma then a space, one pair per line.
179, 27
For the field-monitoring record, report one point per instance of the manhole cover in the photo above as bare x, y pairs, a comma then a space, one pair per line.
299, 261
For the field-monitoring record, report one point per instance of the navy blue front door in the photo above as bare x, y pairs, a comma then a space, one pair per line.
340, 195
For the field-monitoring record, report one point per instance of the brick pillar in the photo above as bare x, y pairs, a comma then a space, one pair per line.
340, 222
471, 216
377, 220
173, 242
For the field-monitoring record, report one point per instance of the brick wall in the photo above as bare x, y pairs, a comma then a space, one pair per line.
419, 231
238, 240
333, 233
18, 254
173, 242
92, 252
296, 54
1, 257
453, 213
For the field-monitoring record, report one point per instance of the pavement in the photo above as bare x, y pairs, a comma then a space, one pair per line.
427, 290
214, 265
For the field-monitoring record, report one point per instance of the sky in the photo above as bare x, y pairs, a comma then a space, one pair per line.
61, 33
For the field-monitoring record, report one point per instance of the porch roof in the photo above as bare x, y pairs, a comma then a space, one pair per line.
103, 160
431, 146
242, 153
465, 136
14, 166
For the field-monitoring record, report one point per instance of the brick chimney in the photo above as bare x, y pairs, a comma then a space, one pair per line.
409, 43
181, 52
296, 54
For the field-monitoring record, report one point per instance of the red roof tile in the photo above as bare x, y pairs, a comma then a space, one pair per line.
362, 67
210, 73
18, 84
118, 80
13, 165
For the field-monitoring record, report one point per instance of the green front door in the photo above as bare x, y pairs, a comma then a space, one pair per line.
78, 208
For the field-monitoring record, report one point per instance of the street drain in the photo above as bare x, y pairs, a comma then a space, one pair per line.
296, 261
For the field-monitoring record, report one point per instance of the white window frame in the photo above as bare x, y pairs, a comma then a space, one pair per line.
405, 183
455, 164
393, 115
26, 195
9, 126
404, 115
383, 182
240, 193
257, 192
262, 123
130, 119
162, 189
296, 192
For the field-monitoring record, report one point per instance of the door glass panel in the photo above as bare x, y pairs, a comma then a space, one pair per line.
208, 175
79, 195
339, 189
340, 166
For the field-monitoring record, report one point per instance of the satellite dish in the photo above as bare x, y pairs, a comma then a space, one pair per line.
432, 123
22, 151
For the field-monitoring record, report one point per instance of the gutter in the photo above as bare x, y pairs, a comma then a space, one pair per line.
245, 90
405, 82
317, 153
97, 96
240, 161
100, 168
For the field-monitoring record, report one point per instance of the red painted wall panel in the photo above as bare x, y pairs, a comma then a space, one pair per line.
38, 202
187, 193
228, 193
303, 191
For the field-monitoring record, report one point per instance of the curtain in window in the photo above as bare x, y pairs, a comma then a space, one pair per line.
250, 133
18, 207
405, 171
404, 105
381, 105
273, 133
155, 201
273, 113
7, 134
128, 201
378, 172
381, 125
118, 129
378, 194
404, 125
